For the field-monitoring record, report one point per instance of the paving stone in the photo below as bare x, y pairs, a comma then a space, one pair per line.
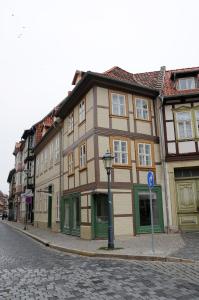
29, 270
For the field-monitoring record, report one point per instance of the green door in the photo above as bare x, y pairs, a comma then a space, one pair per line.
50, 207
142, 209
100, 215
70, 215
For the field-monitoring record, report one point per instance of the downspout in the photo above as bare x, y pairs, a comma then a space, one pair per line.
162, 155
60, 176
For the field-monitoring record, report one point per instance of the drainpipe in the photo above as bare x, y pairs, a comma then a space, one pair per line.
60, 175
162, 155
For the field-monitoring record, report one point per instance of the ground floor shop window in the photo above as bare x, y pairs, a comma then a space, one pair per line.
142, 208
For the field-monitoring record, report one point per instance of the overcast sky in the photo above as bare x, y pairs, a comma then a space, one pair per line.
43, 42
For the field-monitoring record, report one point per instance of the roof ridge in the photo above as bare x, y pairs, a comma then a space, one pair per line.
189, 68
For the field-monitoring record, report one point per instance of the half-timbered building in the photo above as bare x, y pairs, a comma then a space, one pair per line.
181, 129
115, 110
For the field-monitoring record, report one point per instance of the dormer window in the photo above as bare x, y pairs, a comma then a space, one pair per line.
186, 83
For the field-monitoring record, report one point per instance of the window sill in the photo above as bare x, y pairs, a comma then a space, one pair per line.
186, 139
118, 116
143, 120
82, 122
69, 133
83, 169
71, 174
145, 168
121, 166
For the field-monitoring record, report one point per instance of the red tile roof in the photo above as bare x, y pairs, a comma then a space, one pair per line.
169, 83
147, 79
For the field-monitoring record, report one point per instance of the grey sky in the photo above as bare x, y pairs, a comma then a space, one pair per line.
43, 42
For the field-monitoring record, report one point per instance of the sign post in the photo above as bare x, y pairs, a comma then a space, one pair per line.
150, 181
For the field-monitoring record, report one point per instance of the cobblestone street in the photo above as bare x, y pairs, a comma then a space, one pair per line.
29, 270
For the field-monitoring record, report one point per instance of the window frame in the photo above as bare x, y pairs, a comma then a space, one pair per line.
82, 167
71, 123
196, 122
186, 78
128, 151
184, 110
111, 104
148, 101
138, 165
71, 163
82, 119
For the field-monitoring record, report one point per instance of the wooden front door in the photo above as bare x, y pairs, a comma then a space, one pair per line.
100, 215
142, 208
188, 204
70, 215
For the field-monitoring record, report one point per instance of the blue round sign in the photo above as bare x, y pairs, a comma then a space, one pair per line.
150, 179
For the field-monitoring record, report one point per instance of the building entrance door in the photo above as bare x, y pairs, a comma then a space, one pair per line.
70, 215
101, 215
188, 204
142, 207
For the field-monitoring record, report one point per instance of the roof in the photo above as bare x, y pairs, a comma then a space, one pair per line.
147, 79
169, 82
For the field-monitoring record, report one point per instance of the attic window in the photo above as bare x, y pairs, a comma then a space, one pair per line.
186, 83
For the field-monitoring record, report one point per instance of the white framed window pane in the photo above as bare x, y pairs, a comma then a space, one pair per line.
183, 116
117, 158
124, 158
141, 148
115, 109
186, 83
118, 104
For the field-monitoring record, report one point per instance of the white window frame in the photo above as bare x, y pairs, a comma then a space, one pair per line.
196, 112
82, 156
119, 153
185, 79
141, 109
70, 163
142, 156
70, 122
117, 108
82, 111
185, 137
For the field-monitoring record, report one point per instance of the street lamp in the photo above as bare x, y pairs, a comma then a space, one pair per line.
108, 162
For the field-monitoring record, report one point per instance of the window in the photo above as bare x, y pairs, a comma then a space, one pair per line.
51, 155
118, 104
37, 166
70, 123
184, 124
82, 156
41, 163
144, 155
120, 150
57, 148
45, 159
82, 114
197, 122
57, 207
70, 164
142, 110
186, 83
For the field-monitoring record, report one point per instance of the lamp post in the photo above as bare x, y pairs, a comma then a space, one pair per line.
108, 162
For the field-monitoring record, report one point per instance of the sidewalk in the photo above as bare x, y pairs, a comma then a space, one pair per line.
168, 247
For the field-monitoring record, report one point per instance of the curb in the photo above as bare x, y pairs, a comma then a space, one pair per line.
103, 255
